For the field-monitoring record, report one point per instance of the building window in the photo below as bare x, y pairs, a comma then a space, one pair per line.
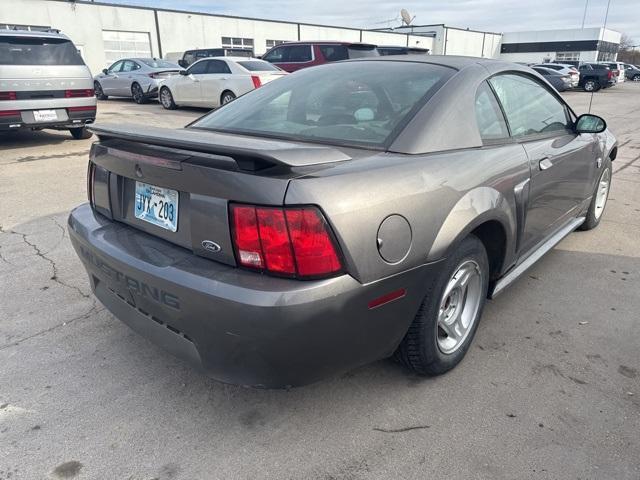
119, 45
567, 56
273, 43
233, 42
32, 28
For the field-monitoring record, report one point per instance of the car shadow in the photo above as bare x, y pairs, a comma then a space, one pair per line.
33, 138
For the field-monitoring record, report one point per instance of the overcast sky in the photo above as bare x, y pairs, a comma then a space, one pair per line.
497, 16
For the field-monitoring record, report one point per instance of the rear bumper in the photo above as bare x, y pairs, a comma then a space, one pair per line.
73, 117
239, 326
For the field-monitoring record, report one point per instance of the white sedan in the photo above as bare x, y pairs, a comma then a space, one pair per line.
212, 82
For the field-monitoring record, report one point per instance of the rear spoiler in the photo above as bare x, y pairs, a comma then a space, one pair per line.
250, 153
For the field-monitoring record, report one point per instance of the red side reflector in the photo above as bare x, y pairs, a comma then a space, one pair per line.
256, 81
81, 109
9, 113
8, 95
389, 297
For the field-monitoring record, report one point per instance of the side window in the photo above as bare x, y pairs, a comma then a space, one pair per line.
530, 108
274, 55
198, 68
130, 66
489, 116
298, 53
116, 67
189, 57
218, 66
334, 53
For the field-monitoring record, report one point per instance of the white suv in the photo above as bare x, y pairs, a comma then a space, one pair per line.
44, 83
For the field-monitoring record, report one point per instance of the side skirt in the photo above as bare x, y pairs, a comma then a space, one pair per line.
551, 242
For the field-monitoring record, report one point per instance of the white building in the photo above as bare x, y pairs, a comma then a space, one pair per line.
105, 32
568, 45
454, 41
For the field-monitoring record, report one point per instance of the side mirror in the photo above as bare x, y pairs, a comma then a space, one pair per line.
105, 71
182, 63
183, 72
588, 123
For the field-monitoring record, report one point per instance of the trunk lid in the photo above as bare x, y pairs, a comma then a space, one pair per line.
206, 169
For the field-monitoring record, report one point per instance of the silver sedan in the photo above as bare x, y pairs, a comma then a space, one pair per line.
138, 78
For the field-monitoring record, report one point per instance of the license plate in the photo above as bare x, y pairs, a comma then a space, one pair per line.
45, 115
157, 205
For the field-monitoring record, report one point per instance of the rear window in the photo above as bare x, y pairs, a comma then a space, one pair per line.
359, 103
38, 51
156, 63
258, 66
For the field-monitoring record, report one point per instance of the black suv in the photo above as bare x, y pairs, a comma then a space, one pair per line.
594, 76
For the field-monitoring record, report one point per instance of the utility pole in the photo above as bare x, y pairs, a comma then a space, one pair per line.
584, 17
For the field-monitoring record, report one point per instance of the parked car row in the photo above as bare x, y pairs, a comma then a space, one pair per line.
212, 77
589, 76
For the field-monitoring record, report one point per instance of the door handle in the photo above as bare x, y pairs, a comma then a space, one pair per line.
545, 163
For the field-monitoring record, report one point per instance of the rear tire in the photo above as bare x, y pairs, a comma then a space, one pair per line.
599, 198
80, 133
166, 99
138, 94
450, 305
636, 78
591, 86
99, 92
226, 97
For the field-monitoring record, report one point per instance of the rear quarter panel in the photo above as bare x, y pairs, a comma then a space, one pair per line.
443, 196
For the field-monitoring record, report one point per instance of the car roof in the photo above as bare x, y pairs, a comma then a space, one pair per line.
456, 62
234, 59
326, 42
32, 33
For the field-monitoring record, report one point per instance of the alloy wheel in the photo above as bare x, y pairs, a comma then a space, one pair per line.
602, 193
459, 306
136, 90
165, 98
227, 97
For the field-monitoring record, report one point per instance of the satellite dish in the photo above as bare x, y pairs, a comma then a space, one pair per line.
406, 18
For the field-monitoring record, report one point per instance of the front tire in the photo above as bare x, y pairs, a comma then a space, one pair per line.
591, 86
599, 198
99, 92
80, 133
636, 78
227, 97
446, 322
138, 94
166, 99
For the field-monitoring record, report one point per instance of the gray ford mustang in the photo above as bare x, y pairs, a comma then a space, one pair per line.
344, 214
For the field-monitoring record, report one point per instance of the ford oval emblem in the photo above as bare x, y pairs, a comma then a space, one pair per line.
210, 246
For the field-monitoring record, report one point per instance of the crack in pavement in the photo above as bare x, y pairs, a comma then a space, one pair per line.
51, 262
94, 309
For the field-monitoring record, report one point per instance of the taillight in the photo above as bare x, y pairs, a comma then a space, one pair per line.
293, 242
609, 75
9, 113
256, 81
85, 92
7, 95
91, 172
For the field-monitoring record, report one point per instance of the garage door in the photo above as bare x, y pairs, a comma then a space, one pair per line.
119, 45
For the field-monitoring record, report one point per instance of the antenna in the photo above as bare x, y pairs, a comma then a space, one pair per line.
406, 18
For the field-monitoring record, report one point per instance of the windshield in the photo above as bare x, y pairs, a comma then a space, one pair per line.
157, 63
20, 50
258, 66
362, 103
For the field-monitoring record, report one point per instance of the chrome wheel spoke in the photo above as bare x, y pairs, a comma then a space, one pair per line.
459, 306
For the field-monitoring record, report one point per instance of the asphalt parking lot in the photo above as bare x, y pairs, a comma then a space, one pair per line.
550, 389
